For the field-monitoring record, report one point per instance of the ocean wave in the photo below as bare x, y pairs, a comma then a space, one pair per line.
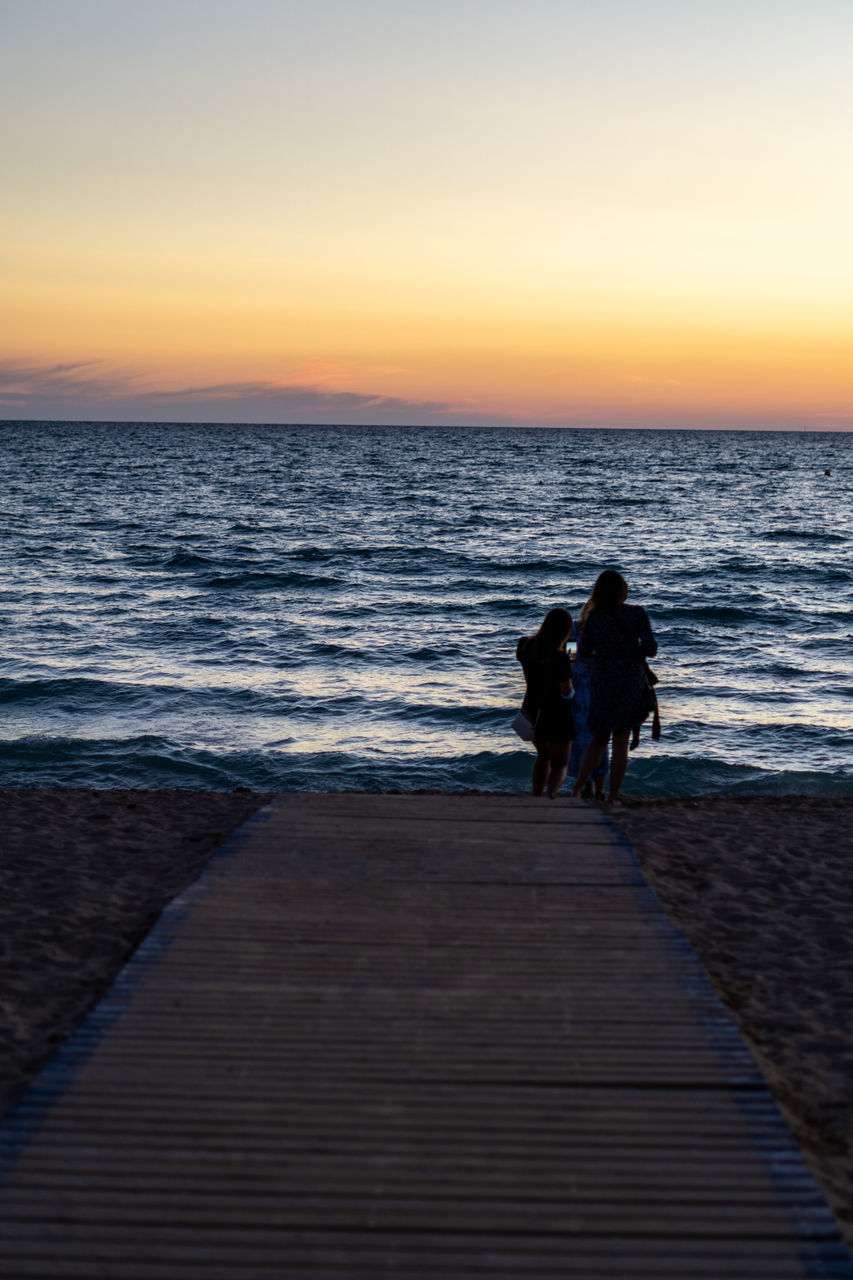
816, 735
708, 572
432, 653
72, 693
803, 535
831, 644
53, 626
679, 776
82, 696
150, 761
516, 606
254, 580
455, 717
829, 574
525, 567
187, 560
697, 614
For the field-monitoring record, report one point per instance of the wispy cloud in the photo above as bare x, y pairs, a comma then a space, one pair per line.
82, 390
86, 389
22, 381
294, 395
18, 373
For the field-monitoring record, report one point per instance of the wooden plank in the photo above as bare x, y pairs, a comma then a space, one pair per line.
170, 1253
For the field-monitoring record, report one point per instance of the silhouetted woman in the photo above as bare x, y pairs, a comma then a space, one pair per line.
617, 637
548, 672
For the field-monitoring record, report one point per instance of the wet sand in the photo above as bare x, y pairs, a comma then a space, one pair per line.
763, 888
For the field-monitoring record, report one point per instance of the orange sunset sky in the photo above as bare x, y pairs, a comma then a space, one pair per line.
624, 214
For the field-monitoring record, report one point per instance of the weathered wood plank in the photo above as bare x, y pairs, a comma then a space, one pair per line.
171, 1253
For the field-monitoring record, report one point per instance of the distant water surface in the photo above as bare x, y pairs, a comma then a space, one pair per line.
327, 607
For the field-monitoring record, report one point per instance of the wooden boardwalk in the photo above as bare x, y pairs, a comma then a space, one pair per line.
412, 1036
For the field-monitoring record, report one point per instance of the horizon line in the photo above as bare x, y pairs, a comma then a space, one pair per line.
425, 426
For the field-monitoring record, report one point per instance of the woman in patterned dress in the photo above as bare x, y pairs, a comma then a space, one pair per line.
617, 637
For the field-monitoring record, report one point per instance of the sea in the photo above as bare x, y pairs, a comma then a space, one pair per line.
337, 607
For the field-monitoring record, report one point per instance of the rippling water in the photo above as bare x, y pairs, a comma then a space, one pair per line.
326, 607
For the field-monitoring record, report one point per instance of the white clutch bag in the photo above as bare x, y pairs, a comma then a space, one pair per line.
523, 727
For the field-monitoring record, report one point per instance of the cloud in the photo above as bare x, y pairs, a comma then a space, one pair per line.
295, 396
88, 390
76, 390
29, 383
13, 372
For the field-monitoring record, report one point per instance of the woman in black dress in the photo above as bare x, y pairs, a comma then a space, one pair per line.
548, 672
617, 637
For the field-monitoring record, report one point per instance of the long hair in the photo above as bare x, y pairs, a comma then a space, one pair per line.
585, 612
609, 592
556, 626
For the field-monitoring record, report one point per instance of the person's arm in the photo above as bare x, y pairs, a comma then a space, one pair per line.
566, 685
586, 646
648, 644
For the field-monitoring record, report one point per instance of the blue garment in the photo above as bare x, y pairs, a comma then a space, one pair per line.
581, 674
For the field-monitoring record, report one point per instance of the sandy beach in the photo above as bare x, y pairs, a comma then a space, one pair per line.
761, 887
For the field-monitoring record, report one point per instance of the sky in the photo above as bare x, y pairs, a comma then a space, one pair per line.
543, 212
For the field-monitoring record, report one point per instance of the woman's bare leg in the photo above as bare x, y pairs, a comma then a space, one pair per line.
541, 765
591, 757
618, 762
559, 762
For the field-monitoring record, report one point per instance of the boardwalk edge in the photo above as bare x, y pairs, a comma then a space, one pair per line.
28, 1114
